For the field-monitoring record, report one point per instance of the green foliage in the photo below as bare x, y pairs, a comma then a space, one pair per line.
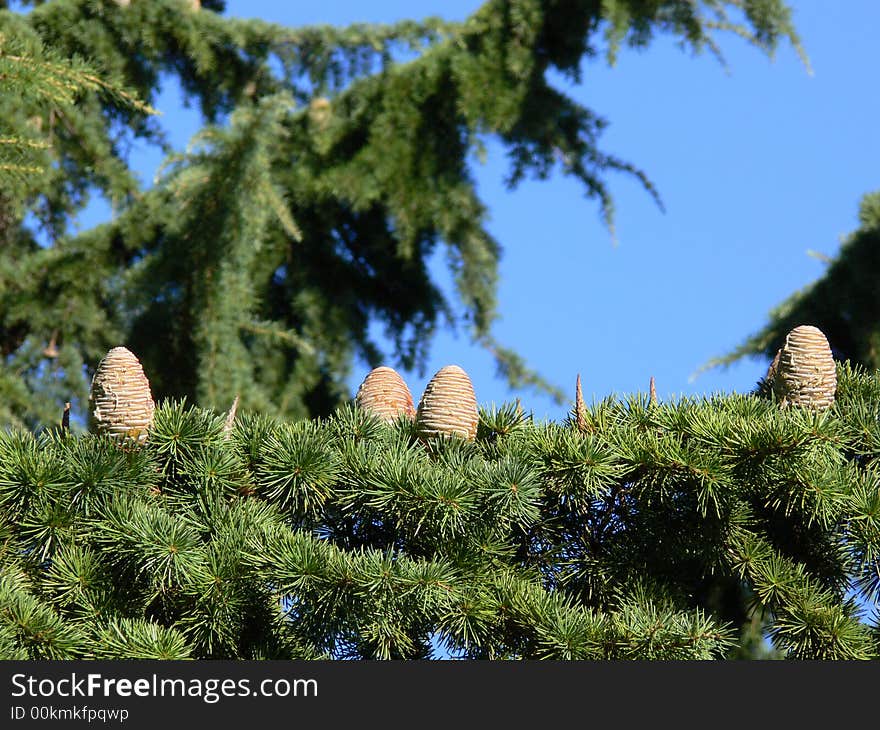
683, 530
34, 78
843, 302
334, 163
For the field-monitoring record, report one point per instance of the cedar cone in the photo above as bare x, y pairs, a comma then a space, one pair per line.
580, 408
320, 110
448, 405
384, 394
122, 405
803, 372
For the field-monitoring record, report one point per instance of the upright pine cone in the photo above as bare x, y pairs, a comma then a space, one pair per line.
448, 405
580, 408
122, 405
803, 372
384, 394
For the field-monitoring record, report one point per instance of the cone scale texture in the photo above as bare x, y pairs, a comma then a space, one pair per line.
385, 394
449, 405
803, 372
122, 404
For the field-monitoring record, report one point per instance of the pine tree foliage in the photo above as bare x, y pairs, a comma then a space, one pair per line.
35, 79
843, 302
334, 163
673, 530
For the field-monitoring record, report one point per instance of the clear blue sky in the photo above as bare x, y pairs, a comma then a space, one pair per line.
756, 165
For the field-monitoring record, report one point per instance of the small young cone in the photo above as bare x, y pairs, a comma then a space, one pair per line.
771, 371
229, 423
803, 372
449, 405
580, 408
384, 394
51, 350
122, 405
764, 386
652, 389
65, 419
319, 111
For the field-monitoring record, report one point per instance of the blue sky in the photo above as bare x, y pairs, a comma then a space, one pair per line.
757, 165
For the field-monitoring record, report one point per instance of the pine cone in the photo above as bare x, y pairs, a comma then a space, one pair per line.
320, 110
448, 405
803, 372
384, 394
580, 408
122, 405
